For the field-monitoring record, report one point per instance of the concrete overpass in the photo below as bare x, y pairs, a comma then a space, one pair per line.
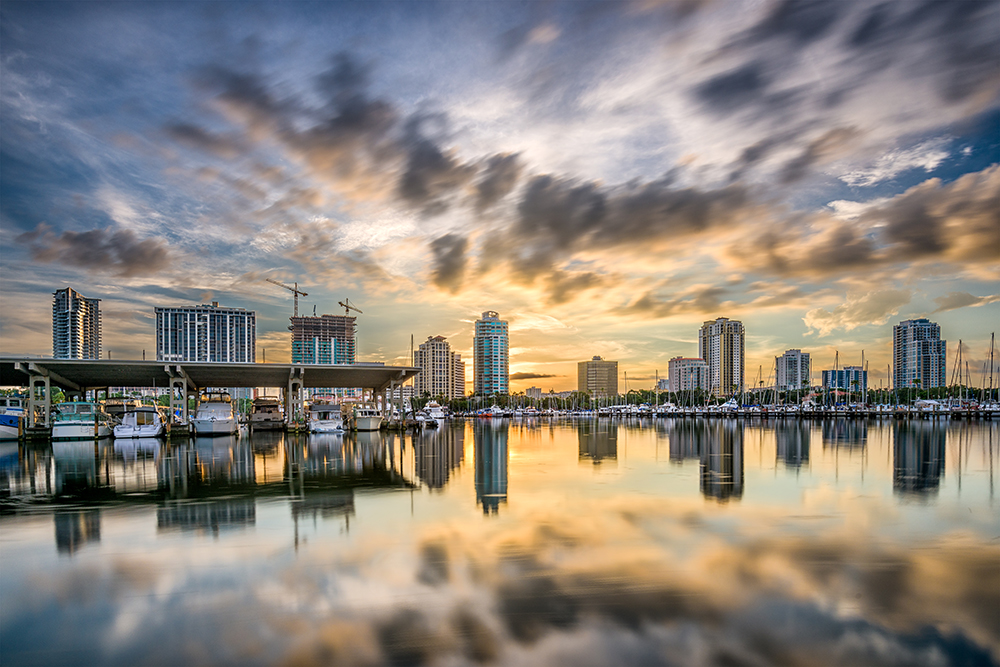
76, 376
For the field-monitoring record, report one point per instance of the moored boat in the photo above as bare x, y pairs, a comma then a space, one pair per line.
143, 421
80, 420
266, 414
325, 417
215, 416
367, 418
11, 417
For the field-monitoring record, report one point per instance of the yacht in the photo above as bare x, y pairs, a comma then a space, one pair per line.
434, 410
215, 416
367, 418
11, 417
80, 420
144, 421
325, 417
266, 414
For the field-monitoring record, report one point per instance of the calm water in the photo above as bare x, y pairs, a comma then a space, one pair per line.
653, 542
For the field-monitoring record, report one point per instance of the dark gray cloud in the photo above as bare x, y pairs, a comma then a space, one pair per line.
500, 175
450, 261
799, 21
196, 137
956, 300
431, 175
531, 376
734, 89
652, 304
120, 252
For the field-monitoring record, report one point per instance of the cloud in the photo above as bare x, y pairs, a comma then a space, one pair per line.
531, 376
956, 300
500, 174
120, 252
449, 261
875, 308
927, 156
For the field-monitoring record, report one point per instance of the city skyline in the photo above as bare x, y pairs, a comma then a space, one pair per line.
607, 176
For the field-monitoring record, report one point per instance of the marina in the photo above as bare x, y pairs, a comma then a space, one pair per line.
561, 540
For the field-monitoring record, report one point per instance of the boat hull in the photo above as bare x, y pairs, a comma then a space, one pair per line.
267, 425
11, 427
213, 427
326, 426
368, 423
80, 431
145, 431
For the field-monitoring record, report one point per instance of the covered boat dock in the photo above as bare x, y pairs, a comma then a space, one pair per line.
185, 378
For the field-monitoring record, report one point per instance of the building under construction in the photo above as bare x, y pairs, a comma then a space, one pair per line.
327, 339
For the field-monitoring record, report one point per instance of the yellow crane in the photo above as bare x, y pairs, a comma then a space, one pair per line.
294, 290
348, 307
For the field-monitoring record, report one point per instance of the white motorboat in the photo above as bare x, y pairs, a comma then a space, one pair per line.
11, 417
367, 418
215, 416
144, 421
266, 414
325, 418
434, 410
80, 420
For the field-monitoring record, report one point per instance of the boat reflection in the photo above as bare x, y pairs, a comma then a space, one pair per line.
491, 464
918, 456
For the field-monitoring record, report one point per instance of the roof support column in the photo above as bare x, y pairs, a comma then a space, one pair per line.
294, 409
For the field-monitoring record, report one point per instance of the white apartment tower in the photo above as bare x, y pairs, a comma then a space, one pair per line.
688, 374
491, 355
76, 325
442, 371
918, 354
793, 370
721, 345
206, 333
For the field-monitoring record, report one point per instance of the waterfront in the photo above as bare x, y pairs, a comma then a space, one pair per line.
512, 542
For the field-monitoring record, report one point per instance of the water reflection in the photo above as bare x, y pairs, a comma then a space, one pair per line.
722, 461
686, 438
74, 529
792, 438
598, 440
438, 452
491, 464
918, 456
845, 433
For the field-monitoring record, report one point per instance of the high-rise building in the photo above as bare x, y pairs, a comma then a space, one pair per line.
76, 325
688, 374
721, 345
491, 355
793, 370
442, 371
918, 354
327, 339
206, 333
597, 377
850, 378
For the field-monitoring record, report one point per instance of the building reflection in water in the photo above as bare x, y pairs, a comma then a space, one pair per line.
491, 464
918, 456
76, 469
209, 516
792, 440
438, 452
845, 433
686, 439
722, 460
75, 529
598, 440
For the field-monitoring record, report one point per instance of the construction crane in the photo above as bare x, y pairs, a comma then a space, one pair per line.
346, 303
294, 290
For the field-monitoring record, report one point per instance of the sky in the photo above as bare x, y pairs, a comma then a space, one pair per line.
605, 175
